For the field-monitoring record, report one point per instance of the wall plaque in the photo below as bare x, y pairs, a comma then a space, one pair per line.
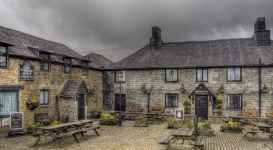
201, 92
16, 121
179, 113
26, 71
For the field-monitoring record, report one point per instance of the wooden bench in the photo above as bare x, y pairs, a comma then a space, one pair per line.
269, 145
226, 120
43, 118
159, 118
57, 137
249, 131
200, 142
166, 140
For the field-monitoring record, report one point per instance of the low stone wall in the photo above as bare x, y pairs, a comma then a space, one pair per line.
216, 119
205, 132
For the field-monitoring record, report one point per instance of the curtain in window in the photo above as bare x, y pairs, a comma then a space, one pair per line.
42, 95
168, 74
3, 60
67, 69
46, 97
46, 66
199, 75
205, 75
9, 103
3, 49
84, 71
230, 74
237, 73
174, 74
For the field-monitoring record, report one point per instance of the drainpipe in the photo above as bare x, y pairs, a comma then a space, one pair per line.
57, 100
260, 87
149, 99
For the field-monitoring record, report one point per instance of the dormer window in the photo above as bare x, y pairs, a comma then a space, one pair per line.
67, 66
84, 70
3, 56
44, 64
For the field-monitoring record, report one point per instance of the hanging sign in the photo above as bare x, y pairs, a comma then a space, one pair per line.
16, 121
179, 113
201, 92
26, 71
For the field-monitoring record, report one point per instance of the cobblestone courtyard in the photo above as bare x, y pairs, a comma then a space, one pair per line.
135, 138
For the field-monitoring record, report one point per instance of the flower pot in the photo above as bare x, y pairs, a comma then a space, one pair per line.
93, 93
264, 91
143, 91
182, 90
32, 106
111, 122
140, 124
221, 91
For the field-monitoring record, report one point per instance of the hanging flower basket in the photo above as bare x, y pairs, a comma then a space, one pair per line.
182, 90
107, 90
32, 106
93, 93
143, 90
264, 91
221, 91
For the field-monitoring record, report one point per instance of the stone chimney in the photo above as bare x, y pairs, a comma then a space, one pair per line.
261, 35
156, 37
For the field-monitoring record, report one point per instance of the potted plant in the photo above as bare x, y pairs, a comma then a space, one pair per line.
264, 90
182, 89
93, 91
143, 88
221, 89
140, 122
232, 127
205, 129
107, 89
219, 106
186, 109
173, 123
107, 119
33, 104
31, 128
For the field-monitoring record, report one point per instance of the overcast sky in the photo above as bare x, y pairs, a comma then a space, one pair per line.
118, 28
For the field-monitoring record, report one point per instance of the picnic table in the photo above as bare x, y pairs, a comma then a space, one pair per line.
114, 113
61, 130
184, 134
94, 114
262, 127
151, 116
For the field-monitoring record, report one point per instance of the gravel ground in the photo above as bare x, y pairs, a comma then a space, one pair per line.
133, 138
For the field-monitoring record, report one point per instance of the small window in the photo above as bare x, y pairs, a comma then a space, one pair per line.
8, 102
44, 97
171, 75
234, 74
44, 56
3, 56
84, 63
171, 100
234, 101
44, 64
67, 66
123, 73
84, 71
202, 75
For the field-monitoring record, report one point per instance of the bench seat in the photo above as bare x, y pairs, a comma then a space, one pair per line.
200, 141
166, 140
269, 145
249, 131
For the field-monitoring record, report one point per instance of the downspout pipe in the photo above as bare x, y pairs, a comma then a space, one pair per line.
57, 100
260, 90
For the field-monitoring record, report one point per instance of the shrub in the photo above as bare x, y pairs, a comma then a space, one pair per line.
39, 124
186, 112
140, 119
219, 106
219, 100
219, 112
185, 103
55, 122
186, 108
143, 87
32, 126
173, 120
189, 124
105, 115
205, 126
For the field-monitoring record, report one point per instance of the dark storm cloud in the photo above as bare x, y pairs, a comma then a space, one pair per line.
117, 28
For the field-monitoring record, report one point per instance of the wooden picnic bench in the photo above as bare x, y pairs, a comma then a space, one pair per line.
249, 131
269, 145
159, 118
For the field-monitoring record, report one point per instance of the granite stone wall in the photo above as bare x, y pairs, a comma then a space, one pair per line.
248, 87
53, 81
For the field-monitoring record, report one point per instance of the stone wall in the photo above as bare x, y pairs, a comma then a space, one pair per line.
248, 87
53, 81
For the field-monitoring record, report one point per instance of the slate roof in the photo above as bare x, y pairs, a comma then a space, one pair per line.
26, 44
70, 88
194, 54
98, 61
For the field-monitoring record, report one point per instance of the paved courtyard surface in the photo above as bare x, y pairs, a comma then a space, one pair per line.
132, 138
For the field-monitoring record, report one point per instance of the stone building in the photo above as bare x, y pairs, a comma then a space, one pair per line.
201, 67
34, 68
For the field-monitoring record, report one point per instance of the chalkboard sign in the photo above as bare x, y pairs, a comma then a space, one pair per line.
16, 121
26, 71
179, 113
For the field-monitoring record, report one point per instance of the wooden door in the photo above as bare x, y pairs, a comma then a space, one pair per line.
201, 107
81, 106
123, 102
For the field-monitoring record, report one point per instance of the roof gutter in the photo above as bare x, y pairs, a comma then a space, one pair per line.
260, 90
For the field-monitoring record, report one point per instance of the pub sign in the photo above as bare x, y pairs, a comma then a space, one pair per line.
26, 71
16, 121
179, 113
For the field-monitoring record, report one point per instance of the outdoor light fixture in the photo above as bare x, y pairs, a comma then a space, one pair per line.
120, 77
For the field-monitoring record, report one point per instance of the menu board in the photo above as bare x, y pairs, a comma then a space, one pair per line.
26, 71
179, 113
16, 121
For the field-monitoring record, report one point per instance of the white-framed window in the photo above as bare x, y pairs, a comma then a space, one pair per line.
123, 73
234, 101
171, 75
171, 99
202, 75
234, 74
8, 102
44, 97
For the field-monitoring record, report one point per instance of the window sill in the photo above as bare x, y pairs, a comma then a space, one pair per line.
4, 67
44, 104
235, 109
235, 82
45, 70
202, 82
171, 81
85, 74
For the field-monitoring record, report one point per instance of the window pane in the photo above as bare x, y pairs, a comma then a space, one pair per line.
3, 49
67, 60
67, 69
84, 63
230, 74
237, 73
123, 73
3, 60
174, 74
237, 101
84, 71
174, 99
44, 56
230, 101
168, 100
46, 66
9, 103
199, 75
46, 96
168, 74
205, 75
42, 96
